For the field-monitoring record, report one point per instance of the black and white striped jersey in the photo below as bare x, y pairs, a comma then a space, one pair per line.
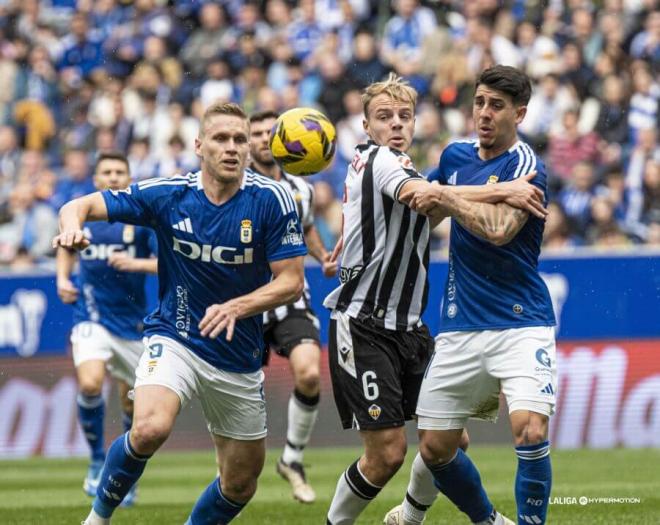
303, 196
385, 260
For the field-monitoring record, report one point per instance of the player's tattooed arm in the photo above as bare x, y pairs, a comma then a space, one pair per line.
496, 223
518, 193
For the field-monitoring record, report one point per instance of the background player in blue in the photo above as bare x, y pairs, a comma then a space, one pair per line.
497, 321
222, 234
110, 305
292, 331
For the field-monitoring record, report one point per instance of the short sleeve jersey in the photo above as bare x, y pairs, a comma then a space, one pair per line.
107, 296
493, 287
209, 254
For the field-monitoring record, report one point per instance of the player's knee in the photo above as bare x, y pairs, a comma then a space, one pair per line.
530, 435
465, 441
90, 386
147, 435
308, 381
531, 432
392, 456
435, 451
240, 488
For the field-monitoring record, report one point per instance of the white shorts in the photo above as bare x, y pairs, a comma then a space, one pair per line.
92, 341
469, 370
233, 403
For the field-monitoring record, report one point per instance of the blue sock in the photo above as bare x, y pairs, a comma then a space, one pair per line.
213, 507
91, 411
126, 421
122, 469
533, 482
459, 480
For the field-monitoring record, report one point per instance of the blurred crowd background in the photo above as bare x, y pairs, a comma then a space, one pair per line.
80, 77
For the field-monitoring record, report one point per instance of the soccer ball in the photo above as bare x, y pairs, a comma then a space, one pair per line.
302, 141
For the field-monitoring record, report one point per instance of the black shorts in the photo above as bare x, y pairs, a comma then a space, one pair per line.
376, 373
283, 336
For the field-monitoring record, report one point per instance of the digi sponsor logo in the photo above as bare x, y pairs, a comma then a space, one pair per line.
374, 412
207, 253
102, 252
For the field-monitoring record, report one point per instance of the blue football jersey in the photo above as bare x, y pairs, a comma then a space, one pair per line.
493, 287
107, 296
209, 254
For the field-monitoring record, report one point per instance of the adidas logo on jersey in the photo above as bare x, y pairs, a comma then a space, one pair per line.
548, 389
185, 226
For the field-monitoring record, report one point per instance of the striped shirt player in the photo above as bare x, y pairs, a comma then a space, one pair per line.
386, 245
376, 333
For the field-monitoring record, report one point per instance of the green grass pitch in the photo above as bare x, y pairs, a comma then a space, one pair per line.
48, 491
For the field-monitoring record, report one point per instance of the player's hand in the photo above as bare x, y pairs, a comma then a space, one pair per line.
337, 249
219, 317
425, 201
523, 195
66, 291
71, 239
329, 266
122, 261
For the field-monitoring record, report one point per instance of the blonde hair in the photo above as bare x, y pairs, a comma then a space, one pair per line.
397, 88
222, 108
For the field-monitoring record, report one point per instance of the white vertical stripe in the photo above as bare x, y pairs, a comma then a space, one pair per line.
188, 225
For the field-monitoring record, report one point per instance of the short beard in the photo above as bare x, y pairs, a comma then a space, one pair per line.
269, 161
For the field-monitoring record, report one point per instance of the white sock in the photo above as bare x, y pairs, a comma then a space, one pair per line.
95, 519
303, 411
353, 494
421, 492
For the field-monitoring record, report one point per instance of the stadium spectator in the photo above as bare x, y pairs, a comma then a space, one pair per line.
599, 61
402, 41
207, 42
556, 235
568, 147
365, 66
30, 228
575, 198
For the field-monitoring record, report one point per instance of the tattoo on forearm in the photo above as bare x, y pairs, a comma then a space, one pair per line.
488, 221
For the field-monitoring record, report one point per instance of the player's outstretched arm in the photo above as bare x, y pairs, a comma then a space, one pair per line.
72, 217
496, 223
518, 193
285, 287
413, 189
64, 262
